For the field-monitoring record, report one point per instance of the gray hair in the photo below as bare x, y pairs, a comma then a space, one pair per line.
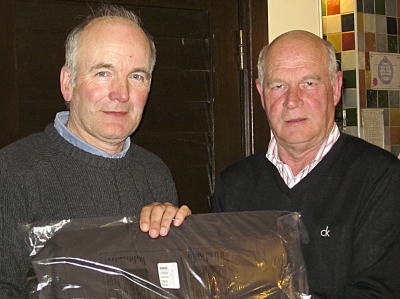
104, 11
332, 63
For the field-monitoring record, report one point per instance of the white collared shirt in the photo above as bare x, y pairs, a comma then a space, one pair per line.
284, 169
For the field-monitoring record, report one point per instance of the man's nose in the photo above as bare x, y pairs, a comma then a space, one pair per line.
293, 98
119, 90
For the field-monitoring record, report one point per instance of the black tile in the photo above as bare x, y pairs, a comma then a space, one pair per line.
369, 6
347, 22
372, 101
391, 25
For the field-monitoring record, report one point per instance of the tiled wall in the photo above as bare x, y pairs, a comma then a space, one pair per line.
355, 28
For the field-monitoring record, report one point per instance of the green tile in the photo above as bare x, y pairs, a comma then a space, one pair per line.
392, 44
380, 8
349, 79
351, 117
323, 2
383, 99
360, 6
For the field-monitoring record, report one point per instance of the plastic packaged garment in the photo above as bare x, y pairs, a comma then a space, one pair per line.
210, 256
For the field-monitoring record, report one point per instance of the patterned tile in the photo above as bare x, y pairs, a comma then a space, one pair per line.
349, 98
381, 43
361, 41
375, 28
369, 6
372, 101
380, 7
395, 135
391, 24
391, 8
369, 23
392, 44
383, 99
370, 42
394, 101
381, 24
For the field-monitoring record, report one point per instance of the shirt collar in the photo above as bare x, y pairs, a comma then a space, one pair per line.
285, 171
60, 124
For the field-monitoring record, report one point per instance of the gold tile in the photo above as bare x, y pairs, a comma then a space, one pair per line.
360, 21
336, 40
368, 79
346, 6
394, 117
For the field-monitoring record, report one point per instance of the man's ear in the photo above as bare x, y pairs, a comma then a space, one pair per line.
66, 83
337, 88
261, 92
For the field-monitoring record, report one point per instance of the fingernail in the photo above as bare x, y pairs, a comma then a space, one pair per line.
153, 233
163, 231
177, 222
145, 227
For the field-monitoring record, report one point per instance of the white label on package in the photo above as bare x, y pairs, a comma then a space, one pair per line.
169, 276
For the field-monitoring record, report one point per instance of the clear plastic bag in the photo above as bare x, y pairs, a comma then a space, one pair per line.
211, 256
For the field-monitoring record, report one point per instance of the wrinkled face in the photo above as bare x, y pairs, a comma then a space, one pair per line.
112, 83
297, 93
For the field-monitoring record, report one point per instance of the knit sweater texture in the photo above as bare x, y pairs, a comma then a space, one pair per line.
43, 177
349, 204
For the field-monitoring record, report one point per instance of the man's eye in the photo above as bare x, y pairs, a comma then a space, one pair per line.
309, 83
138, 77
278, 86
101, 74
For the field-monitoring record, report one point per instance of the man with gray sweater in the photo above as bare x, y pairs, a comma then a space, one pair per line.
84, 165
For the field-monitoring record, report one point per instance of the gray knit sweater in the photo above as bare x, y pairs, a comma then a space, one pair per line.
43, 177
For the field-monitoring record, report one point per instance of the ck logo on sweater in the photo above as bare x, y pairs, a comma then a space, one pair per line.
325, 232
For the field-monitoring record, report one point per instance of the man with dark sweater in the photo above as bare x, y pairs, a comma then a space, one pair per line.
346, 190
84, 165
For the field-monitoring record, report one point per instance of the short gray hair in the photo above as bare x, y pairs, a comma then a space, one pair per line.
332, 63
104, 11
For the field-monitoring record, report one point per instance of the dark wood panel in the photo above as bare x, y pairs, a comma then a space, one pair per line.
180, 86
50, 15
9, 115
226, 89
39, 84
38, 48
184, 117
183, 53
259, 38
177, 148
174, 23
191, 186
189, 161
35, 116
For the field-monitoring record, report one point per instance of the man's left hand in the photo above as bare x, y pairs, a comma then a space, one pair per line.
156, 218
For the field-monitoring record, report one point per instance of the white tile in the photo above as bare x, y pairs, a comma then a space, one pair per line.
348, 60
333, 24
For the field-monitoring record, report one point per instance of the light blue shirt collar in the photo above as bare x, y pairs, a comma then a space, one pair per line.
60, 123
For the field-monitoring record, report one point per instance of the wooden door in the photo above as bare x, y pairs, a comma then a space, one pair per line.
196, 119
